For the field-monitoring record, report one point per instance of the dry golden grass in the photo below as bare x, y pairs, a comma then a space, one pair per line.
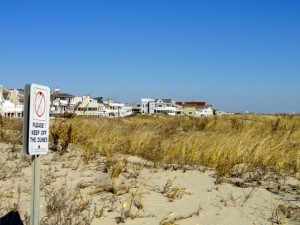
10, 130
248, 144
266, 141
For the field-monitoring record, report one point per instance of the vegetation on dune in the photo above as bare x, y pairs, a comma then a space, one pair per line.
247, 151
11, 130
265, 141
271, 141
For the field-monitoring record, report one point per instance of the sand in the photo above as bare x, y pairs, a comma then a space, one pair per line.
131, 190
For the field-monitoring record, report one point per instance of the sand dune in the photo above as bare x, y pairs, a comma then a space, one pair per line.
131, 190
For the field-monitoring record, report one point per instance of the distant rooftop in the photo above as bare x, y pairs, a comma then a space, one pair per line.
62, 95
192, 103
166, 100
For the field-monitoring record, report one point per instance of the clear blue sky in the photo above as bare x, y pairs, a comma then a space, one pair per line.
236, 55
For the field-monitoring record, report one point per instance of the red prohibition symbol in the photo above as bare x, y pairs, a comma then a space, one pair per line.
40, 104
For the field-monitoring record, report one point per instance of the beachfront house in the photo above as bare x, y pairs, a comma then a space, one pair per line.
165, 106
88, 106
158, 106
147, 105
61, 103
207, 110
11, 102
184, 108
194, 108
116, 109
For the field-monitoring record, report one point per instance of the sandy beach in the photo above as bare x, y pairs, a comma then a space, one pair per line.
130, 190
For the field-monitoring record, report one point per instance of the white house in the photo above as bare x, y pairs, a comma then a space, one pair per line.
158, 106
11, 102
165, 106
206, 111
116, 109
147, 105
61, 103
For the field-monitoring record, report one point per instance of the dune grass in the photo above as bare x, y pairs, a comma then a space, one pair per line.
271, 141
221, 142
11, 130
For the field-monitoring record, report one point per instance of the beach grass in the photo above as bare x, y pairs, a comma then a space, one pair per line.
91, 160
220, 142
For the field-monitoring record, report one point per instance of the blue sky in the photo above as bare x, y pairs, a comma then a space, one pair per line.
238, 55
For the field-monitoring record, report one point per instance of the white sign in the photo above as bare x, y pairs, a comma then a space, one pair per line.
38, 123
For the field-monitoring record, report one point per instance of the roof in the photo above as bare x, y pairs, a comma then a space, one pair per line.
62, 95
166, 100
5, 91
192, 103
99, 99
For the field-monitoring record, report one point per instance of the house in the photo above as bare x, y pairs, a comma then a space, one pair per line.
194, 108
165, 106
183, 109
11, 102
136, 108
88, 106
158, 106
206, 111
116, 109
61, 103
147, 105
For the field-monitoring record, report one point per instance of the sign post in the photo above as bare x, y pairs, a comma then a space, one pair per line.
35, 137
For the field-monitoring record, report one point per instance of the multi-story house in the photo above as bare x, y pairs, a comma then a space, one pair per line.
170, 107
195, 108
147, 106
88, 106
165, 106
206, 111
158, 106
185, 109
61, 103
115, 109
135, 107
11, 102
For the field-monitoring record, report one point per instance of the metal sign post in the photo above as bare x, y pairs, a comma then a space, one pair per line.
35, 190
35, 138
